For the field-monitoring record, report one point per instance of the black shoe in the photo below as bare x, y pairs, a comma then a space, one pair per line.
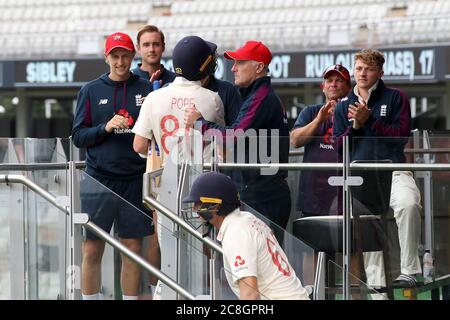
405, 281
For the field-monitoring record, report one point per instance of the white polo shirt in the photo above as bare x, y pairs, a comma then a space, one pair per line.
251, 249
162, 113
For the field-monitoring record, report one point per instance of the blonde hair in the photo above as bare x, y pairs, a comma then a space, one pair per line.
371, 57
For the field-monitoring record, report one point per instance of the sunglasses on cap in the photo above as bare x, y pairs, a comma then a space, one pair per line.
339, 69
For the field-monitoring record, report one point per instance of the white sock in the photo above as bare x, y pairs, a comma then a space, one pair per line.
95, 296
124, 297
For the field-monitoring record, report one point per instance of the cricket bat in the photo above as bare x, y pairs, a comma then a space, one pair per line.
153, 160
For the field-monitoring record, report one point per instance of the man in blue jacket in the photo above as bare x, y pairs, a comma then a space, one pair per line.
379, 119
106, 111
151, 46
262, 114
314, 130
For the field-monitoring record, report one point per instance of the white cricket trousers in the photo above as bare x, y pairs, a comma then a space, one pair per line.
405, 202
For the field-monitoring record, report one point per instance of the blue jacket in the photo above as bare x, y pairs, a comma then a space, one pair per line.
230, 97
261, 109
385, 133
166, 76
109, 155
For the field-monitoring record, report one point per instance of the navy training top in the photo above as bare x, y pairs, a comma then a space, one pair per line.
315, 195
109, 155
261, 109
385, 133
230, 97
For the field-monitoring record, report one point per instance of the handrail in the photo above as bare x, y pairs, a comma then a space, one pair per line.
138, 259
329, 165
40, 166
281, 166
16, 178
13, 178
296, 152
82, 164
146, 192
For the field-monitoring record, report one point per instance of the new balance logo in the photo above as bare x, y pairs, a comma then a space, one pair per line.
103, 101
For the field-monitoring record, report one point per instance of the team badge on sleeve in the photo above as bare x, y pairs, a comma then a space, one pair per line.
139, 100
239, 261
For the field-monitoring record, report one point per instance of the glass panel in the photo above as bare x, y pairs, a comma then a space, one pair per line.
405, 197
192, 258
374, 227
11, 221
437, 183
299, 255
358, 289
312, 195
10, 198
46, 223
40, 236
197, 272
104, 206
34, 231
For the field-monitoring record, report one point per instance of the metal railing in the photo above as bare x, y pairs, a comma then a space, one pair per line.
138, 259
301, 152
147, 198
328, 166
83, 219
40, 166
15, 178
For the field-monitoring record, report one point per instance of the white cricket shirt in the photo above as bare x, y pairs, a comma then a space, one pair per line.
162, 113
251, 249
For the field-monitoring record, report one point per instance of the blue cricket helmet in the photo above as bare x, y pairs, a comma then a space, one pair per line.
214, 187
194, 58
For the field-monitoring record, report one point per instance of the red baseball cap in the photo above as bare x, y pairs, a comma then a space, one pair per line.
339, 69
118, 40
251, 50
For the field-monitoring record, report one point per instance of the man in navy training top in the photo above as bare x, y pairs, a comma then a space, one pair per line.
106, 111
151, 45
372, 113
314, 130
269, 194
